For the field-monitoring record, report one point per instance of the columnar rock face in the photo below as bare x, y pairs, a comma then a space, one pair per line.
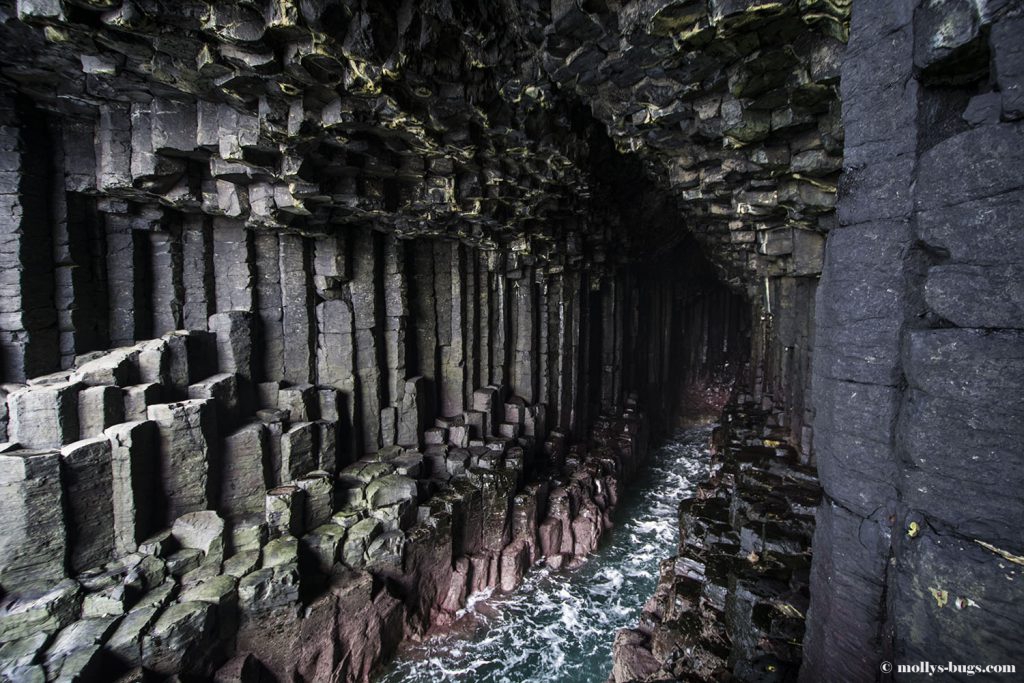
245, 470
34, 539
919, 347
87, 475
734, 598
262, 130
311, 309
46, 417
170, 577
187, 430
211, 529
136, 485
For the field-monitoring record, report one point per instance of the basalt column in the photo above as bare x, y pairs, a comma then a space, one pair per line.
317, 317
685, 338
29, 325
204, 505
917, 551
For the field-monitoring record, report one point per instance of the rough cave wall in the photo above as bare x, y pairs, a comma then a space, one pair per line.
286, 367
352, 314
354, 309
163, 164
920, 358
303, 114
169, 180
733, 109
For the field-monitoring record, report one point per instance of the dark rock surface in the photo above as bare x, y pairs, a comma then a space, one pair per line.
234, 143
918, 345
373, 280
733, 601
321, 580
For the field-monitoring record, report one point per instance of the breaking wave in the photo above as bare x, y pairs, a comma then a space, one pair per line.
559, 625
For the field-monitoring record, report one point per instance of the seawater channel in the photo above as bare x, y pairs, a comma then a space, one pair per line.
558, 626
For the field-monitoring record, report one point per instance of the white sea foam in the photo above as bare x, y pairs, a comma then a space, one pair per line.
559, 625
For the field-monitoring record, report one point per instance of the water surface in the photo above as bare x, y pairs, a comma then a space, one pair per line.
559, 625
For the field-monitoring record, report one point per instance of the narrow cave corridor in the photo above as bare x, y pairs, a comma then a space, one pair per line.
321, 320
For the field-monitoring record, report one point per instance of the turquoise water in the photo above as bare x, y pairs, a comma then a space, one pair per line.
559, 625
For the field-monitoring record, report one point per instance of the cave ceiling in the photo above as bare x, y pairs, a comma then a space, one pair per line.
566, 131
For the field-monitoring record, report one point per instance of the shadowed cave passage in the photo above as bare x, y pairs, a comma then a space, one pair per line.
318, 318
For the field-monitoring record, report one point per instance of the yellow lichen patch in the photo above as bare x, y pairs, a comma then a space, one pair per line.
204, 57
765, 7
283, 13
55, 35
1016, 559
941, 596
816, 182
788, 610
696, 36
533, 92
913, 529
837, 28
676, 17
359, 78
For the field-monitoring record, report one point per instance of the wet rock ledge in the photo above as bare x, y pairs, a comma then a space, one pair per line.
244, 550
731, 604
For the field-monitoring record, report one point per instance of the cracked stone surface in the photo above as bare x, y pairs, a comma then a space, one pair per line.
314, 306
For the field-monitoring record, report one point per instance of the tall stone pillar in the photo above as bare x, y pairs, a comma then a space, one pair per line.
918, 346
